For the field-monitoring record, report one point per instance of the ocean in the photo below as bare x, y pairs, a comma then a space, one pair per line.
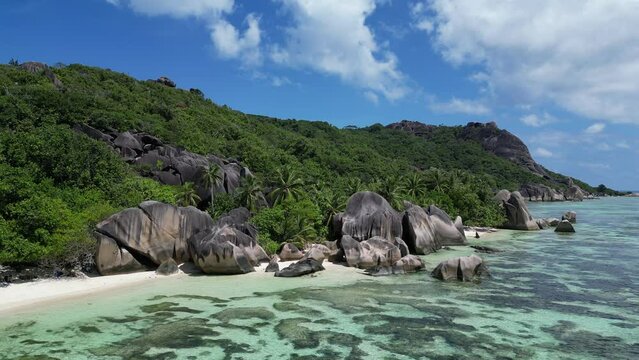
550, 296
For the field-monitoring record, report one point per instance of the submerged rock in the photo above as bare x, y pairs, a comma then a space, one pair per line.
367, 215
552, 221
565, 227
302, 267
570, 216
485, 249
465, 268
516, 211
289, 252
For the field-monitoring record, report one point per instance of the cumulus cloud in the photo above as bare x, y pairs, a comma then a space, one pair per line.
459, 106
536, 120
579, 54
543, 152
226, 38
595, 128
331, 37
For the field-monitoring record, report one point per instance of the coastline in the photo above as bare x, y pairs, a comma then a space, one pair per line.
29, 296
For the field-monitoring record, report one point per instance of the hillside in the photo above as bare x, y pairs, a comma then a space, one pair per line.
58, 182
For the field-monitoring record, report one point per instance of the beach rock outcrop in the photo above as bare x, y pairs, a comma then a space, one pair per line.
539, 192
367, 215
565, 227
427, 230
152, 233
405, 265
516, 211
289, 252
552, 221
112, 259
315, 253
167, 267
300, 268
465, 268
375, 251
570, 216
228, 247
273, 265
168, 164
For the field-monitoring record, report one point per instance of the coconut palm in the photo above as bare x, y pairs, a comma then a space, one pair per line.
391, 188
250, 193
187, 196
212, 177
436, 179
330, 204
288, 185
354, 185
414, 185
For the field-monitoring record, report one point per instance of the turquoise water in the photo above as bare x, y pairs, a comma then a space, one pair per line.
550, 296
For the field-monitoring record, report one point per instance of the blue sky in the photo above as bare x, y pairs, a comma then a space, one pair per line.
562, 75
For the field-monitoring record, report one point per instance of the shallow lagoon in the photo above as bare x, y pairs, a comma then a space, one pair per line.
551, 296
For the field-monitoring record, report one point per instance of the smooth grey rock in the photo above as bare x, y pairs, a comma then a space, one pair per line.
300, 268
565, 227
447, 233
315, 253
273, 265
112, 259
368, 215
465, 268
167, 267
539, 192
289, 252
165, 81
419, 233
127, 141
552, 221
570, 216
369, 253
517, 213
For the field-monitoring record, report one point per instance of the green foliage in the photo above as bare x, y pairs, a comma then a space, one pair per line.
187, 195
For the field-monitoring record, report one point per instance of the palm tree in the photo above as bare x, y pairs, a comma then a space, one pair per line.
297, 230
414, 185
436, 179
250, 193
390, 188
187, 196
354, 185
288, 185
331, 204
212, 177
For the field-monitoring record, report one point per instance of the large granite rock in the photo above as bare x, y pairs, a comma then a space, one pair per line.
369, 253
228, 247
465, 268
273, 265
112, 259
168, 164
405, 265
427, 230
565, 227
300, 268
367, 215
168, 267
154, 231
516, 210
538, 192
41, 68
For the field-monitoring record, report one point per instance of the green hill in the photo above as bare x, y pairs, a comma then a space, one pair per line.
57, 183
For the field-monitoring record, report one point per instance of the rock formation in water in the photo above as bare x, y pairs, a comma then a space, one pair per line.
465, 268
366, 254
565, 227
570, 216
168, 164
516, 211
405, 265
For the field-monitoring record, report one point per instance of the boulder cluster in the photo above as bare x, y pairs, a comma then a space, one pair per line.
517, 214
168, 164
155, 234
538, 192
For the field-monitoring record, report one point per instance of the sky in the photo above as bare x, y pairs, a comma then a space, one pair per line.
561, 75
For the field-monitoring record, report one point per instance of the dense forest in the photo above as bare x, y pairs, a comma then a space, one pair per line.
56, 183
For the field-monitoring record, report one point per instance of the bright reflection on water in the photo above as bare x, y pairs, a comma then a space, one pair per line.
551, 296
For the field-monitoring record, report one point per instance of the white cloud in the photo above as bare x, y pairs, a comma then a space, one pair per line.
227, 40
331, 37
595, 128
372, 97
603, 147
623, 144
537, 121
459, 106
231, 44
543, 152
579, 54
